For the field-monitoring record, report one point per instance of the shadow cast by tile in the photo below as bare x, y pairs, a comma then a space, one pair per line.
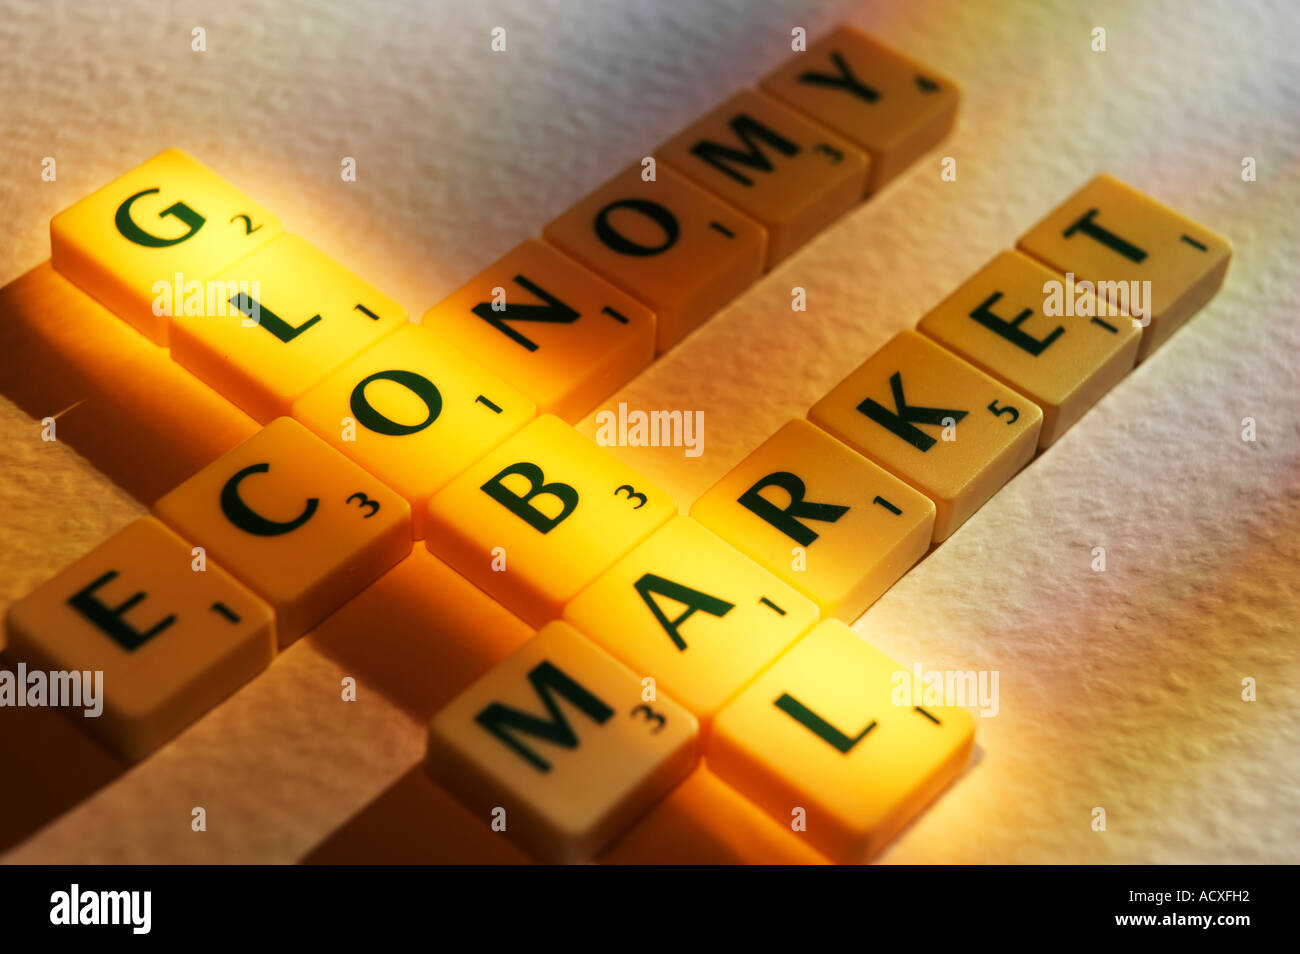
52, 766
119, 400
416, 822
420, 634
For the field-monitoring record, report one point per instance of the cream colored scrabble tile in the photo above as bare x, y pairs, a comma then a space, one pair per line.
821, 517
541, 516
670, 244
551, 327
1003, 320
692, 612
557, 743
882, 101
1136, 251
149, 238
785, 172
284, 318
935, 421
296, 521
821, 730
414, 412
171, 636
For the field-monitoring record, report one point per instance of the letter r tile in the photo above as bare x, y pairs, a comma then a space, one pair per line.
821, 517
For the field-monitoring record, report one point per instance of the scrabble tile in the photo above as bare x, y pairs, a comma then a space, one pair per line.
822, 518
285, 317
707, 822
689, 610
170, 641
116, 398
557, 331
878, 99
414, 412
928, 417
997, 321
669, 243
170, 219
559, 737
788, 174
1113, 236
820, 730
294, 520
541, 516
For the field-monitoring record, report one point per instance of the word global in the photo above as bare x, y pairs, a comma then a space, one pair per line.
651, 429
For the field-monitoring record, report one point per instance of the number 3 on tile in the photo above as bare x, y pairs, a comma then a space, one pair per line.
651, 716
631, 495
364, 502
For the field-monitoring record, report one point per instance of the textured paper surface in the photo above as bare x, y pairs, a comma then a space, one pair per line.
1119, 689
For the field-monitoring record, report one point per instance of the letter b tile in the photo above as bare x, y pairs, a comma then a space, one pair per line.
541, 516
